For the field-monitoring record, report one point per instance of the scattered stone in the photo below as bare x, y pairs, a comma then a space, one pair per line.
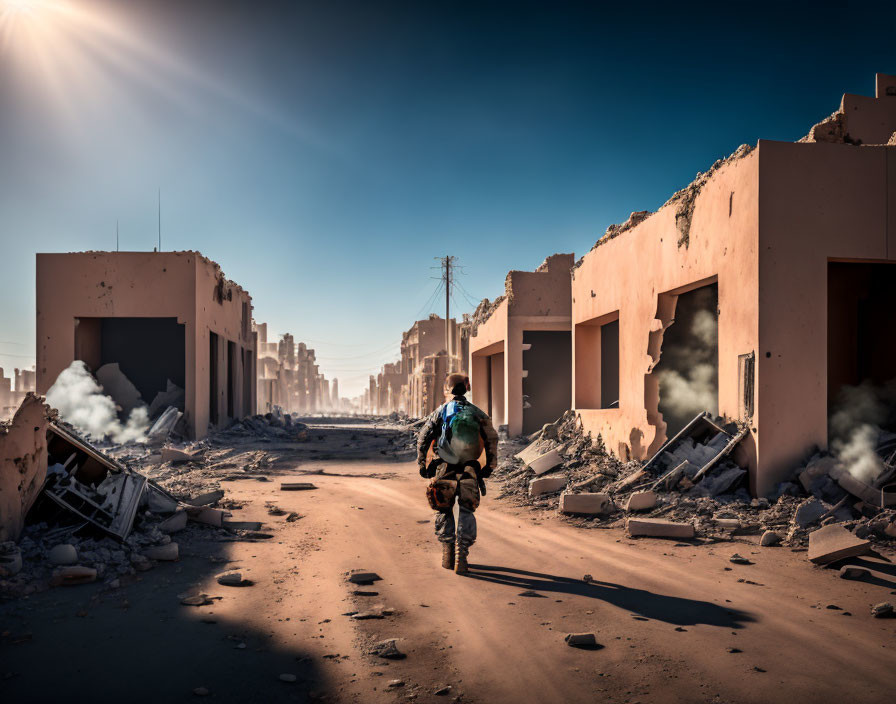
361, 592
296, 486
388, 649
167, 552
658, 528
833, 542
587, 579
851, 572
292, 517
361, 577
833, 607
207, 499
735, 650
769, 538
546, 462
586, 641
288, 678
233, 579
441, 692
63, 554
882, 610
395, 683
196, 600
739, 560
366, 615
809, 512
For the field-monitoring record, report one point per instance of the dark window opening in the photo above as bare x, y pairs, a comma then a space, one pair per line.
213, 415
231, 378
609, 365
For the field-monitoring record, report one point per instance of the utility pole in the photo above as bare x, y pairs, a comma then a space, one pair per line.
447, 263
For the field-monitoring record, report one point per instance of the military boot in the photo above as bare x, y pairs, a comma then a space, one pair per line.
461, 567
448, 556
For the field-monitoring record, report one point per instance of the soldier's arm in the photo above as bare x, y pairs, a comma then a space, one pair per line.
429, 432
491, 444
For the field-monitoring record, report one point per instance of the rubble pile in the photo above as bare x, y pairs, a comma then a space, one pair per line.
693, 485
276, 425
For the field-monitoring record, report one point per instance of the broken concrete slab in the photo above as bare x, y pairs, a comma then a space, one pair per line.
242, 525
545, 485
174, 523
809, 512
64, 554
532, 451
297, 486
209, 516
173, 395
206, 499
176, 456
168, 552
164, 424
641, 501
388, 649
585, 504
833, 542
546, 462
883, 610
658, 528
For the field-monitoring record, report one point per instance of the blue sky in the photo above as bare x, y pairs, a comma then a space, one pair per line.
324, 153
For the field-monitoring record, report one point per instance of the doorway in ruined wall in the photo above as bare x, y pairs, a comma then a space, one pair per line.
861, 339
547, 385
496, 388
231, 379
150, 352
685, 379
213, 415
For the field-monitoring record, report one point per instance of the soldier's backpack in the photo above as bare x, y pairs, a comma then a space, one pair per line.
461, 440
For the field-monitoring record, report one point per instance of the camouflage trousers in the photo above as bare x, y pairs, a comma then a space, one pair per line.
463, 530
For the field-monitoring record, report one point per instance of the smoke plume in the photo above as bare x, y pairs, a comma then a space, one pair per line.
688, 367
80, 401
856, 424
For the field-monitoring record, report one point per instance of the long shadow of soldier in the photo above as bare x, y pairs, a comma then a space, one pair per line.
646, 604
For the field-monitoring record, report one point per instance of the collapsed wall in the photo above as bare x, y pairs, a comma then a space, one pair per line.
23, 463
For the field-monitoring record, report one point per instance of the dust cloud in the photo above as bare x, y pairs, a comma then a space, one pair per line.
856, 426
80, 401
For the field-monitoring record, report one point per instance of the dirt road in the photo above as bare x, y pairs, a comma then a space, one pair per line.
675, 622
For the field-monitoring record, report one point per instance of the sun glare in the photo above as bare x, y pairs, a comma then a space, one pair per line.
20, 7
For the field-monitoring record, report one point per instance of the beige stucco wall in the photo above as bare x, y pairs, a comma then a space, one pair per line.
818, 203
629, 272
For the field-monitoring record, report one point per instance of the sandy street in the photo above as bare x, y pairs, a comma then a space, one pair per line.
674, 622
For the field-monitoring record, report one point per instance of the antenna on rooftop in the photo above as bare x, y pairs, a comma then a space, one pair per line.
160, 219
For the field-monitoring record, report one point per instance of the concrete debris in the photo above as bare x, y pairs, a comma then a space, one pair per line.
739, 560
641, 501
10, 559
297, 486
854, 573
208, 499
581, 640
121, 389
443, 691
769, 538
658, 528
883, 610
176, 455
63, 554
172, 396
71, 576
585, 504
287, 677
362, 577
388, 649
174, 523
546, 462
233, 579
165, 424
209, 516
196, 600
546, 485
833, 542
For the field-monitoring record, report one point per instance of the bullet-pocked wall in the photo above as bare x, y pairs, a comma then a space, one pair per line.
154, 314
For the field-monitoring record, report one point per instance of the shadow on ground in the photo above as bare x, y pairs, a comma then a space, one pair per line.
138, 643
659, 607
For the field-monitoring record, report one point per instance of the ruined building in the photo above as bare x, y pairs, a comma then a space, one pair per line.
414, 384
759, 292
169, 320
288, 376
521, 348
13, 390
